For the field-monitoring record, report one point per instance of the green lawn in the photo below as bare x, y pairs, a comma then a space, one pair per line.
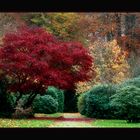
55, 115
96, 123
23, 123
115, 124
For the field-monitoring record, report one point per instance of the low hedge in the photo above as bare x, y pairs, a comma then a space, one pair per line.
45, 104
127, 103
96, 102
58, 95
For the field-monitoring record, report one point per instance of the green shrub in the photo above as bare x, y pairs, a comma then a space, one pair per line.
127, 102
82, 103
52, 91
96, 102
58, 95
133, 81
60, 101
45, 104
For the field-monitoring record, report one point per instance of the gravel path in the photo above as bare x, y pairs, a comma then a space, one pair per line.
73, 120
68, 124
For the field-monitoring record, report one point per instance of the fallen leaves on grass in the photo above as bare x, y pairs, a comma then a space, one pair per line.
13, 123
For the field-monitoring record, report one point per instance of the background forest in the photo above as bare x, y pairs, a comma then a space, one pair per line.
113, 37
112, 40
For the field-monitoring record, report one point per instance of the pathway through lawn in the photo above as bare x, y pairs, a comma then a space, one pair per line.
72, 120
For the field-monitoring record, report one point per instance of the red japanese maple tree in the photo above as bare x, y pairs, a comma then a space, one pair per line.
33, 60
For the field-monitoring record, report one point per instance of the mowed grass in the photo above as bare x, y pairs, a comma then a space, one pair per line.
115, 124
27, 123
55, 115
47, 123
24, 123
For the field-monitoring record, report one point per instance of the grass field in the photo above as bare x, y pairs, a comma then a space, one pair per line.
115, 124
23, 123
45, 123
55, 115
10, 123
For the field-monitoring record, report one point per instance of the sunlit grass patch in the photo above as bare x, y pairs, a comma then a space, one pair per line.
115, 124
72, 124
55, 115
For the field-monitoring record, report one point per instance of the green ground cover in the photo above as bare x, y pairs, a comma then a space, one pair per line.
115, 124
44, 123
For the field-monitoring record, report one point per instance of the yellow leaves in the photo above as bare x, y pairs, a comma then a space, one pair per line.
110, 60
121, 74
83, 87
115, 66
119, 78
113, 42
116, 49
62, 24
76, 68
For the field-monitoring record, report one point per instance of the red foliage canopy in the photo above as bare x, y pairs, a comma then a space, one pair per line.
34, 60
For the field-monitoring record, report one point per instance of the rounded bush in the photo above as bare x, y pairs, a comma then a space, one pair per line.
133, 81
52, 91
45, 104
82, 104
58, 95
96, 102
127, 102
60, 101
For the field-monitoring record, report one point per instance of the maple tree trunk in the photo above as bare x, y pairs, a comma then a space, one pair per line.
30, 100
18, 98
118, 24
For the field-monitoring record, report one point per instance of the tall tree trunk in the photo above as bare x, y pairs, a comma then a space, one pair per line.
18, 98
130, 25
30, 100
118, 24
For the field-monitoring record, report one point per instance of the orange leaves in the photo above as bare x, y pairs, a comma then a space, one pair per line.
63, 25
110, 64
103, 23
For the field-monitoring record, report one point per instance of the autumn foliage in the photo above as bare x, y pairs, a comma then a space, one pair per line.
63, 25
33, 59
110, 65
